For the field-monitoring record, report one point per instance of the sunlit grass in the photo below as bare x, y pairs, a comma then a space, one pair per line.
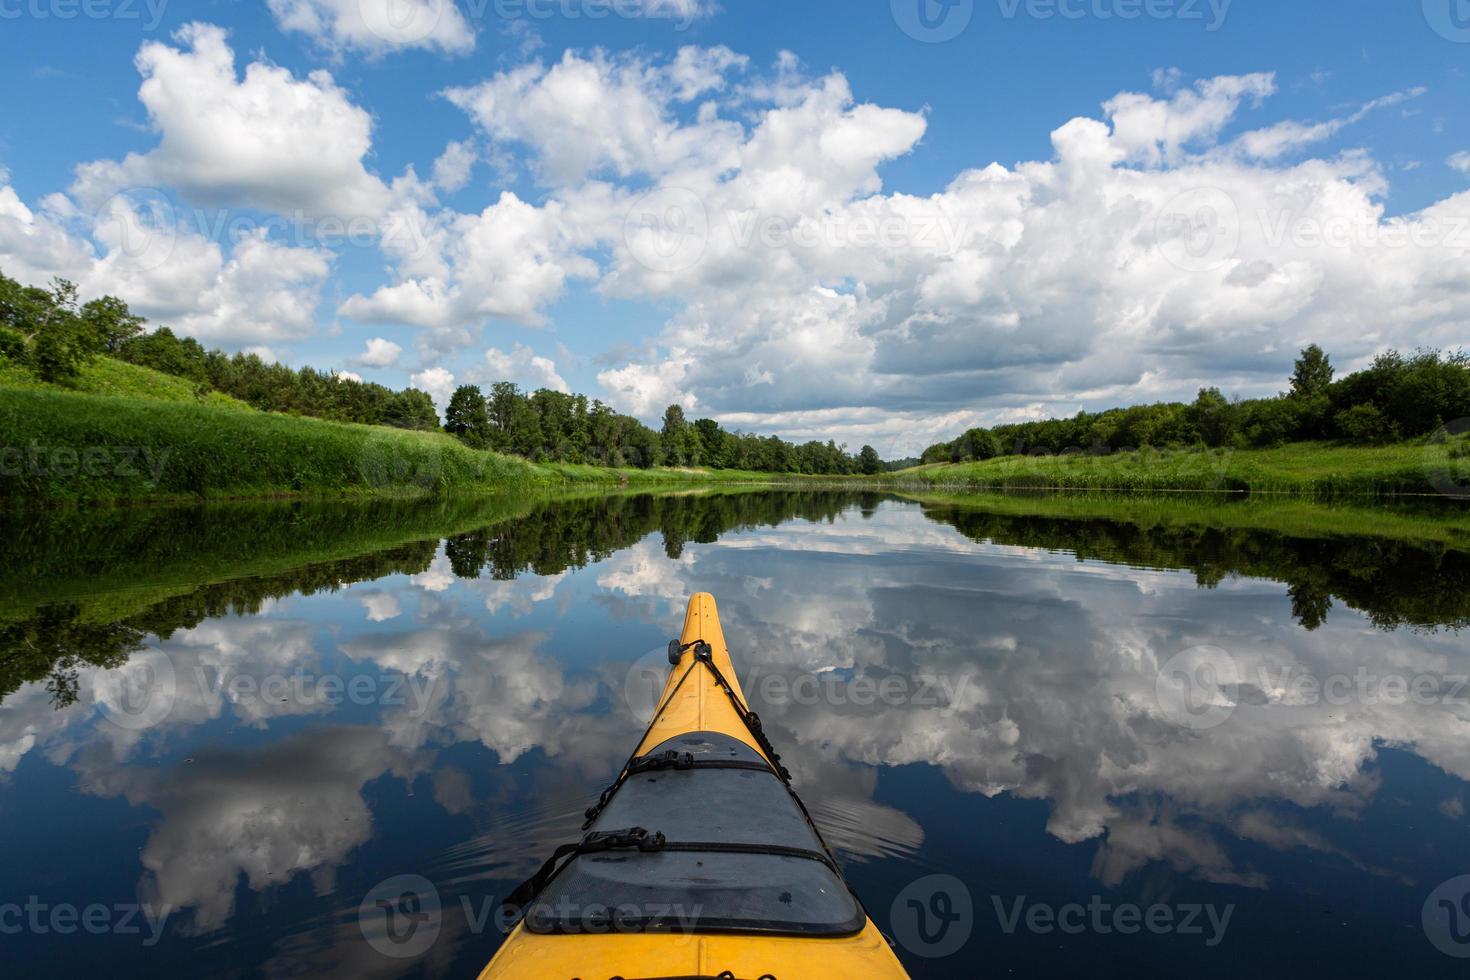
65, 446
1317, 469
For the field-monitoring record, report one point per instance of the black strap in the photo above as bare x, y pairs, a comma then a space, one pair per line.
647, 842
607, 794
668, 759
723, 975
704, 653
639, 838
594, 843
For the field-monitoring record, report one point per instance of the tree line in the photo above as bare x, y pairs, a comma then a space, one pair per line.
553, 426
1398, 397
55, 335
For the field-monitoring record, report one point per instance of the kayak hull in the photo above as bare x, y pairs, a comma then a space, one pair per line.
694, 701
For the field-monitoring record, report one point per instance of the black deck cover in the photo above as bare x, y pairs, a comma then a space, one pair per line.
629, 890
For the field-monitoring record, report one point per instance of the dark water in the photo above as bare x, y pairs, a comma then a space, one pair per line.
1041, 745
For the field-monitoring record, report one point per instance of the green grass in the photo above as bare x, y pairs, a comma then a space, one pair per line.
1311, 469
1422, 521
67, 446
106, 376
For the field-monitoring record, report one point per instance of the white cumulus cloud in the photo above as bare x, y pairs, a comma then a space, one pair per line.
377, 26
379, 353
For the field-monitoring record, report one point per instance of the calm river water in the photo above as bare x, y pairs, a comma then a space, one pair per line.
1043, 742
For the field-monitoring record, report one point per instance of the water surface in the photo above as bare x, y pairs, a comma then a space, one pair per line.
1012, 723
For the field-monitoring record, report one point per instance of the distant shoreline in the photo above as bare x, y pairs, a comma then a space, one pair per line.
67, 447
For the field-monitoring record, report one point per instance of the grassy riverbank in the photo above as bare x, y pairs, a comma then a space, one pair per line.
1309, 469
1430, 522
70, 446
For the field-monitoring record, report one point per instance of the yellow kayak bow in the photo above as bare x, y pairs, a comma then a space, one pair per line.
699, 861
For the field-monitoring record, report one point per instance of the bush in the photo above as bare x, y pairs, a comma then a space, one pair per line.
13, 346
1366, 425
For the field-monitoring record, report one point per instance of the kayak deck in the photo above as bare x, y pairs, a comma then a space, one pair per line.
700, 861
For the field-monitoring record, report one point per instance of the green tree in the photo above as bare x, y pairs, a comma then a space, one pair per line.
110, 323
868, 460
674, 438
465, 416
1313, 373
1213, 417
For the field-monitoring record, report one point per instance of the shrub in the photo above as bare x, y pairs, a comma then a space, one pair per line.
1365, 424
13, 346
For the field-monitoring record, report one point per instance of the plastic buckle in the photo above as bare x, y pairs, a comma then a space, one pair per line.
606, 840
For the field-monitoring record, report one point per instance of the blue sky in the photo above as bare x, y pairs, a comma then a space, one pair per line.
1054, 290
